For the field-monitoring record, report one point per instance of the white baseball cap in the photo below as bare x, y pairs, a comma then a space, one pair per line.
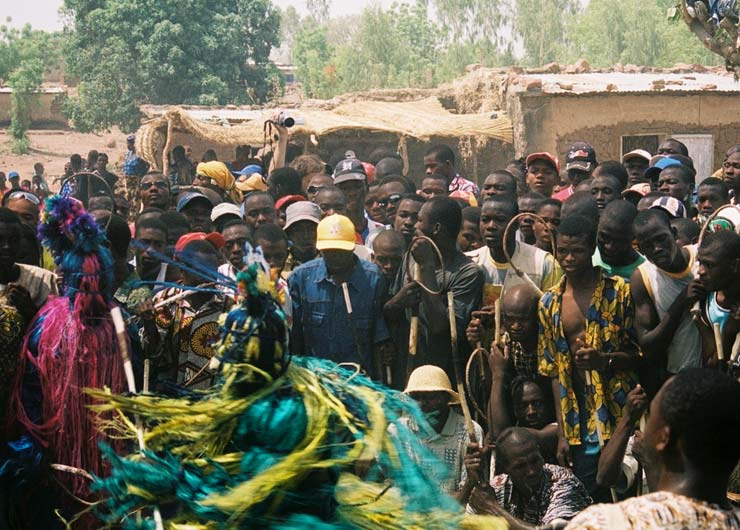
637, 153
301, 211
223, 209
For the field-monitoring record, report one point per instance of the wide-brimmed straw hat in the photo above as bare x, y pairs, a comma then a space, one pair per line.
430, 378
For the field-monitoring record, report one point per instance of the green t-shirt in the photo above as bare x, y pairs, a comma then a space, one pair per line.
623, 271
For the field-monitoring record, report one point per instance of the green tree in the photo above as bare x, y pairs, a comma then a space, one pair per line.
312, 57
399, 47
166, 52
634, 31
25, 55
319, 10
542, 27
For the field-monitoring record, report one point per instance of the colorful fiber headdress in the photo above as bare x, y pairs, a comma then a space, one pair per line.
274, 443
70, 345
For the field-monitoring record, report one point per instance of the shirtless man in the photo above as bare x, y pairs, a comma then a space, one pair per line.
586, 347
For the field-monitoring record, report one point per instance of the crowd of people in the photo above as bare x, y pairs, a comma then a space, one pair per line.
608, 317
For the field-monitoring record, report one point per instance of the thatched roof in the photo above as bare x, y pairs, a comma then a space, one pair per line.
421, 120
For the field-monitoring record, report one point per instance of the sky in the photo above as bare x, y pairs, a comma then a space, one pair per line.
44, 14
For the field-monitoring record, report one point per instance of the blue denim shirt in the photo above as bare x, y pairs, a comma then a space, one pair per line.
321, 326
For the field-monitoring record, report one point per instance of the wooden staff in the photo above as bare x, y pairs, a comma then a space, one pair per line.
497, 322
735, 349
718, 341
414, 329
121, 334
179, 296
147, 370
455, 361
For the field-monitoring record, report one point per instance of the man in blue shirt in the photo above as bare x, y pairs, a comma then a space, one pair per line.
337, 302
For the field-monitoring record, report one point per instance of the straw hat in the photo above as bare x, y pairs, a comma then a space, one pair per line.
430, 378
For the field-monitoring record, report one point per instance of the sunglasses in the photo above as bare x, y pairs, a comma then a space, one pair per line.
314, 189
391, 199
148, 185
30, 197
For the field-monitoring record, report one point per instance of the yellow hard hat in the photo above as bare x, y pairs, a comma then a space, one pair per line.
430, 378
335, 232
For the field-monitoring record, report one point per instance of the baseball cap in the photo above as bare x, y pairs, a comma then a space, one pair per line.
251, 169
302, 211
14, 175
581, 155
727, 219
131, 138
214, 238
287, 200
656, 166
349, 169
369, 171
189, 197
671, 206
637, 153
223, 209
547, 157
335, 232
637, 190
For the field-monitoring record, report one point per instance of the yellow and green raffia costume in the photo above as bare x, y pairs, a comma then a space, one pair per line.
277, 443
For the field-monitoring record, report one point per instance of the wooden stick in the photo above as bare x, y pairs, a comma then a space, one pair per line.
73, 470
128, 369
735, 349
460, 386
414, 328
347, 300
497, 322
121, 334
147, 370
718, 342
178, 296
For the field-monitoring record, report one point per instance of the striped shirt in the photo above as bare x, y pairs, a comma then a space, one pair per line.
560, 496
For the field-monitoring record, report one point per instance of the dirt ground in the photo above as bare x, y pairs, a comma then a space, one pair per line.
54, 147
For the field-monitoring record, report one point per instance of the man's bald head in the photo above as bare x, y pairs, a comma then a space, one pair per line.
519, 308
390, 239
519, 298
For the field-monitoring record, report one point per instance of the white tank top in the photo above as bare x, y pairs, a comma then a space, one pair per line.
684, 351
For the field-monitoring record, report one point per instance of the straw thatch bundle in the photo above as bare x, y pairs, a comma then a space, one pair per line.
420, 120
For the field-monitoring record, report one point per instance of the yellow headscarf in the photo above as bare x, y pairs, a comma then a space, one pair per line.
220, 174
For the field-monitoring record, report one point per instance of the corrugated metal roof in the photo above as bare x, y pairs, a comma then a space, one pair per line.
631, 82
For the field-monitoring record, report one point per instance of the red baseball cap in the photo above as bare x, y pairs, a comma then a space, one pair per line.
287, 200
547, 157
214, 238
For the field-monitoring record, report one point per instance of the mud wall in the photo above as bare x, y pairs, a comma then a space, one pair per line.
547, 122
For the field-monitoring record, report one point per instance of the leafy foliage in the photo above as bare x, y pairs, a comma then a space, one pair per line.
25, 55
541, 25
140, 51
634, 31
